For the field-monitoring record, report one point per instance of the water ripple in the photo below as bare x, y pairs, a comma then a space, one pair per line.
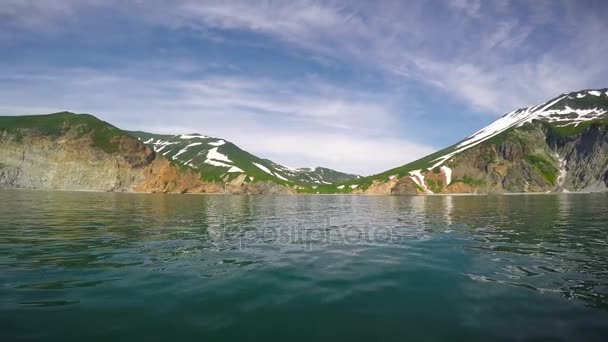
213, 263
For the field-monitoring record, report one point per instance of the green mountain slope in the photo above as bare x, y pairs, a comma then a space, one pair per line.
220, 160
558, 145
103, 134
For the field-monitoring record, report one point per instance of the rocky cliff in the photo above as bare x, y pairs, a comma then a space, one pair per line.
80, 152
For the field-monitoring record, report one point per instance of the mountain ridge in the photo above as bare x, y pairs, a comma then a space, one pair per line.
72, 151
567, 115
559, 145
221, 160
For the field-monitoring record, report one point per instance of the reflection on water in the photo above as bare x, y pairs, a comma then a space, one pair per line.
215, 265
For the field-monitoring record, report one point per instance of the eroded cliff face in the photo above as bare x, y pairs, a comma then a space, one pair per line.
529, 159
583, 159
70, 162
74, 161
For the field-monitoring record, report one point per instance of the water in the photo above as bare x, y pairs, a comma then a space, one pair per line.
104, 266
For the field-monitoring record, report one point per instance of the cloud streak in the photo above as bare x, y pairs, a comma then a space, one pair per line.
474, 53
379, 60
310, 123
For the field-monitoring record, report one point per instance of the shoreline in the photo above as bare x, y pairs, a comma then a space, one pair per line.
306, 194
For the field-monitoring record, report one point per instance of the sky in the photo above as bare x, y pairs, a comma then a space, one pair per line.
358, 86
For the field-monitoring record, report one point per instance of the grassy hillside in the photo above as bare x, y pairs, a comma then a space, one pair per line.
220, 160
57, 124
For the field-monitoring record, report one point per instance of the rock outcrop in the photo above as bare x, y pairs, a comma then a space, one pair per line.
70, 162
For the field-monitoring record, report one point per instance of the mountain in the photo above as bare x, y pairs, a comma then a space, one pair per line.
220, 160
80, 152
68, 151
558, 145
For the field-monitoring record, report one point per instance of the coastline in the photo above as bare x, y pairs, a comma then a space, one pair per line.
308, 194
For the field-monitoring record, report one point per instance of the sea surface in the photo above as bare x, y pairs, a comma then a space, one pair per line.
77, 266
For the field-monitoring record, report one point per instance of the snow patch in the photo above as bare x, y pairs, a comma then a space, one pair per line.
418, 178
580, 95
354, 186
251, 178
293, 169
214, 154
567, 115
216, 163
217, 143
341, 187
160, 145
263, 168
149, 141
235, 169
281, 177
448, 174
192, 136
185, 149
594, 93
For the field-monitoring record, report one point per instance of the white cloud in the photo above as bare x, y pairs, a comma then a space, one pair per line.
311, 121
491, 56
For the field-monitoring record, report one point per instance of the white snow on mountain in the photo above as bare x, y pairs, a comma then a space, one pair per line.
281, 177
235, 169
520, 117
216, 163
448, 174
263, 168
207, 148
512, 119
185, 149
418, 178
193, 136
567, 115
160, 145
214, 154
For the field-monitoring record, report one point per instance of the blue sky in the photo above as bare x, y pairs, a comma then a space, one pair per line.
359, 86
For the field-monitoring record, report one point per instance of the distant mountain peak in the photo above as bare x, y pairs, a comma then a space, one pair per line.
219, 159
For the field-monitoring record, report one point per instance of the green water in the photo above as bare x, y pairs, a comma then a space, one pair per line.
110, 267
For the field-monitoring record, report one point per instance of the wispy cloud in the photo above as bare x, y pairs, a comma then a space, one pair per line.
488, 56
311, 121
494, 56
